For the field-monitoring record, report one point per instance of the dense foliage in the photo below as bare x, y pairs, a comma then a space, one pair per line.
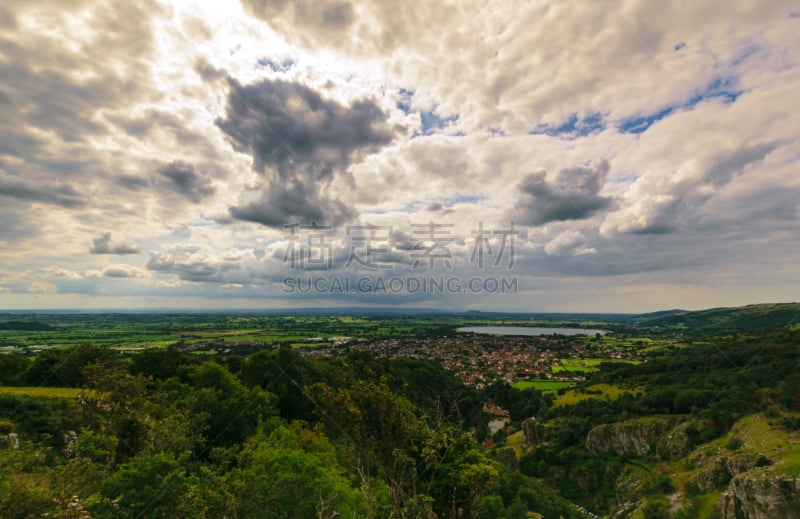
275, 434
269, 432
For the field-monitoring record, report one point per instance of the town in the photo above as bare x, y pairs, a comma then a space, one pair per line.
479, 360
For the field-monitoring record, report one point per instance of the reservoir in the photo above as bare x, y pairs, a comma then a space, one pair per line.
527, 330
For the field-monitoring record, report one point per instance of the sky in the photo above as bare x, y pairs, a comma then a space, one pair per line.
620, 156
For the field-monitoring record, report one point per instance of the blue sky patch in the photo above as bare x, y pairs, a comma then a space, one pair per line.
573, 127
275, 65
404, 103
640, 124
463, 199
723, 88
432, 122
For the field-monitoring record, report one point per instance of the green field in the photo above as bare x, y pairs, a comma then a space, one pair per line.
41, 392
596, 391
542, 385
586, 365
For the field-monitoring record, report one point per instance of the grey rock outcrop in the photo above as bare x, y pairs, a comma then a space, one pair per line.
664, 436
761, 496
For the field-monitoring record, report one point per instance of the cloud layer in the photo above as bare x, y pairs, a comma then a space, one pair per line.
165, 154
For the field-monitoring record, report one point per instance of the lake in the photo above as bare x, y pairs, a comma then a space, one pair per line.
528, 330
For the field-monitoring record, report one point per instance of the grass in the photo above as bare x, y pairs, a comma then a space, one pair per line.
571, 368
606, 392
542, 385
759, 437
516, 441
586, 364
707, 505
41, 392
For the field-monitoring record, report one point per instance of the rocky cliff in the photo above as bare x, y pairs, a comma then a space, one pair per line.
761, 495
665, 436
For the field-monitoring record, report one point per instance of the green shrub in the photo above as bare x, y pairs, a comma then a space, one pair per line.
734, 444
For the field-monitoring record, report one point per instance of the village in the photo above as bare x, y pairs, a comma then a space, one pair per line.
479, 360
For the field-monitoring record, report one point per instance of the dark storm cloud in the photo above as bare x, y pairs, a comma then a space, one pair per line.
295, 202
291, 130
182, 178
573, 195
57, 193
103, 245
284, 125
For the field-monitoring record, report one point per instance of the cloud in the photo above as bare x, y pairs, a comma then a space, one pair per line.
572, 243
103, 245
181, 177
319, 20
573, 195
659, 202
203, 265
300, 142
122, 271
367, 111
207, 71
518, 66
154, 124
49, 192
59, 87
132, 182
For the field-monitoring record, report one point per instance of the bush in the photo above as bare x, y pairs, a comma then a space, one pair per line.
793, 424
655, 509
763, 461
663, 484
734, 444
692, 489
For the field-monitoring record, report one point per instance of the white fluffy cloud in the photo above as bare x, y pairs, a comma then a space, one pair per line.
568, 242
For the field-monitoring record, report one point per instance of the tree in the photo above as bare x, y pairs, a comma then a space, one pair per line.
292, 472
63, 366
458, 474
380, 428
145, 486
232, 411
12, 369
158, 363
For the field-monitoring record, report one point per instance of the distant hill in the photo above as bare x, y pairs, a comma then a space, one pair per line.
28, 326
660, 313
717, 321
549, 316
